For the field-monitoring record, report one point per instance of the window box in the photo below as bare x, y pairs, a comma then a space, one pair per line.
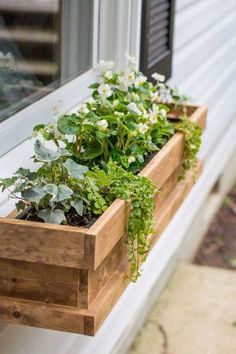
67, 278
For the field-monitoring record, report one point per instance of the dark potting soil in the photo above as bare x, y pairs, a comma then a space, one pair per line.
73, 219
218, 248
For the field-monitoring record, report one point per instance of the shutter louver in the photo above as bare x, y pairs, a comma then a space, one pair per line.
157, 37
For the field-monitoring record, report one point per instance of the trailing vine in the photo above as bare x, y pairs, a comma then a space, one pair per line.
95, 153
139, 192
192, 133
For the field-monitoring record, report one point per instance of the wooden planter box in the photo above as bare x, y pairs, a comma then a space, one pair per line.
68, 278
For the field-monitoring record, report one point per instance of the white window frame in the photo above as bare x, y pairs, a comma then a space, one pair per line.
17, 128
15, 147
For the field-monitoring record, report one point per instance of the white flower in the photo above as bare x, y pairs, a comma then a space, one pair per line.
105, 90
118, 114
102, 123
139, 81
163, 112
122, 84
128, 78
105, 65
155, 96
108, 75
142, 128
131, 159
133, 108
158, 77
153, 117
131, 59
83, 108
115, 103
135, 96
155, 108
87, 121
91, 100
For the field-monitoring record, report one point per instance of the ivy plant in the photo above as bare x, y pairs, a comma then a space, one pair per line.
92, 156
53, 190
115, 183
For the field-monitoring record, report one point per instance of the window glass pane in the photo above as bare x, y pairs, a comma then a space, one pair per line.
43, 44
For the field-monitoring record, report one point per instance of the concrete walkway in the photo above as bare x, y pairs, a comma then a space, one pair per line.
196, 314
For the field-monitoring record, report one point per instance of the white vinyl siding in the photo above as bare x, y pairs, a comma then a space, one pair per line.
204, 67
204, 61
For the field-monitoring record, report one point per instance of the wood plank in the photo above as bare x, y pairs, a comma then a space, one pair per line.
42, 243
163, 215
167, 188
36, 314
88, 321
165, 161
199, 116
39, 282
98, 278
108, 230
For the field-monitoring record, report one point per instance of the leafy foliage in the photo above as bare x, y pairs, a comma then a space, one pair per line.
138, 191
192, 133
92, 156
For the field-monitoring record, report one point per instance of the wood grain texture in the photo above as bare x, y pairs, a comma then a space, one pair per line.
109, 229
88, 321
39, 282
36, 314
199, 116
42, 243
80, 247
160, 168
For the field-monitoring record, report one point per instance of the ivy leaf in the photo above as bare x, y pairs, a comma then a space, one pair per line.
67, 126
50, 188
58, 193
63, 192
64, 152
7, 182
52, 216
74, 169
78, 205
44, 154
34, 194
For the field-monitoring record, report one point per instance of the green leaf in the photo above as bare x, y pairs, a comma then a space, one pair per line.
52, 216
44, 154
78, 205
93, 152
39, 127
58, 193
34, 194
102, 179
67, 126
74, 169
7, 182
50, 188
63, 192
94, 86
64, 152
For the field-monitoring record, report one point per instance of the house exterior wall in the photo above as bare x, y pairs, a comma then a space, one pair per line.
204, 67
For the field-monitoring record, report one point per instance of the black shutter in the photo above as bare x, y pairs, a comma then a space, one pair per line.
157, 37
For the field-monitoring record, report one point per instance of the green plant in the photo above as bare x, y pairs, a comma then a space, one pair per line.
138, 191
52, 191
96, 152
192, 134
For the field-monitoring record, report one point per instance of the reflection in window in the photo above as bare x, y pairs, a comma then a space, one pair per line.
43, 44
